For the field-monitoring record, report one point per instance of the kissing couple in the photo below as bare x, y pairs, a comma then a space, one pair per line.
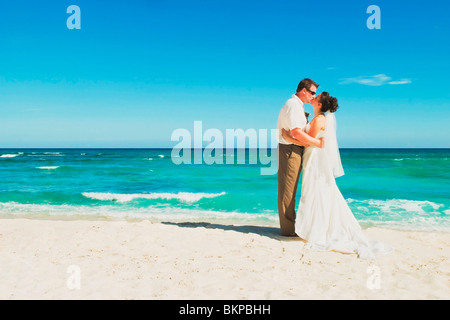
324, 219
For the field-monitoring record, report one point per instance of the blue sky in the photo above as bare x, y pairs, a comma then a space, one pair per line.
138, 70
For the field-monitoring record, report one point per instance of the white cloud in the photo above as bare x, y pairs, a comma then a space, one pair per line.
402, 81
376, 80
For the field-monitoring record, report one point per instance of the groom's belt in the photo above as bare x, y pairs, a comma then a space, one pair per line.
291, 145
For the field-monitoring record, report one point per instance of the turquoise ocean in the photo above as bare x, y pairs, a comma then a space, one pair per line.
407, 189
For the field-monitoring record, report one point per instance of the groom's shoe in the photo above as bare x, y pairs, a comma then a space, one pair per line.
289, 234
293, 236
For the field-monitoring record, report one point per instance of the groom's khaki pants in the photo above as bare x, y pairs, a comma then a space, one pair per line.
289, 167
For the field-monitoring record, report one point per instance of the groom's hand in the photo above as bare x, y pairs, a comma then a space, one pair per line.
286, 133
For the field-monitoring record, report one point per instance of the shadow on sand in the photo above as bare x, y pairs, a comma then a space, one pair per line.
269, 232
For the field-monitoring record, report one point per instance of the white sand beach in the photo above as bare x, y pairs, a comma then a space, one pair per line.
80, 259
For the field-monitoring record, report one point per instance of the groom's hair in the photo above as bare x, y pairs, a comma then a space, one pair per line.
306, 83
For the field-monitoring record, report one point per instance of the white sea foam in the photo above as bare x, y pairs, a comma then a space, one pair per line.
46, 154
48, 168
161, 156
401, 214
182, 196
394, 205
9, 155
157, 214
375, 217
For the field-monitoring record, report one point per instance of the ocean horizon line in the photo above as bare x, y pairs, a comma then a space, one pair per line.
169, 148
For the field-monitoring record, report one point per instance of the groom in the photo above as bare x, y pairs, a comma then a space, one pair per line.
292, 117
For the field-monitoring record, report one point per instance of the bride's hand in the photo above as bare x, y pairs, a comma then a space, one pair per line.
321, 143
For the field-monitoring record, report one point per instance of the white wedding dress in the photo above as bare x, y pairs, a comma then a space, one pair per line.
324, 218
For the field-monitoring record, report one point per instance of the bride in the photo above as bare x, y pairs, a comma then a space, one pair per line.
324, 218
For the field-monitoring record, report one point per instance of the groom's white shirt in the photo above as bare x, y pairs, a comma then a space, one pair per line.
292, 116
